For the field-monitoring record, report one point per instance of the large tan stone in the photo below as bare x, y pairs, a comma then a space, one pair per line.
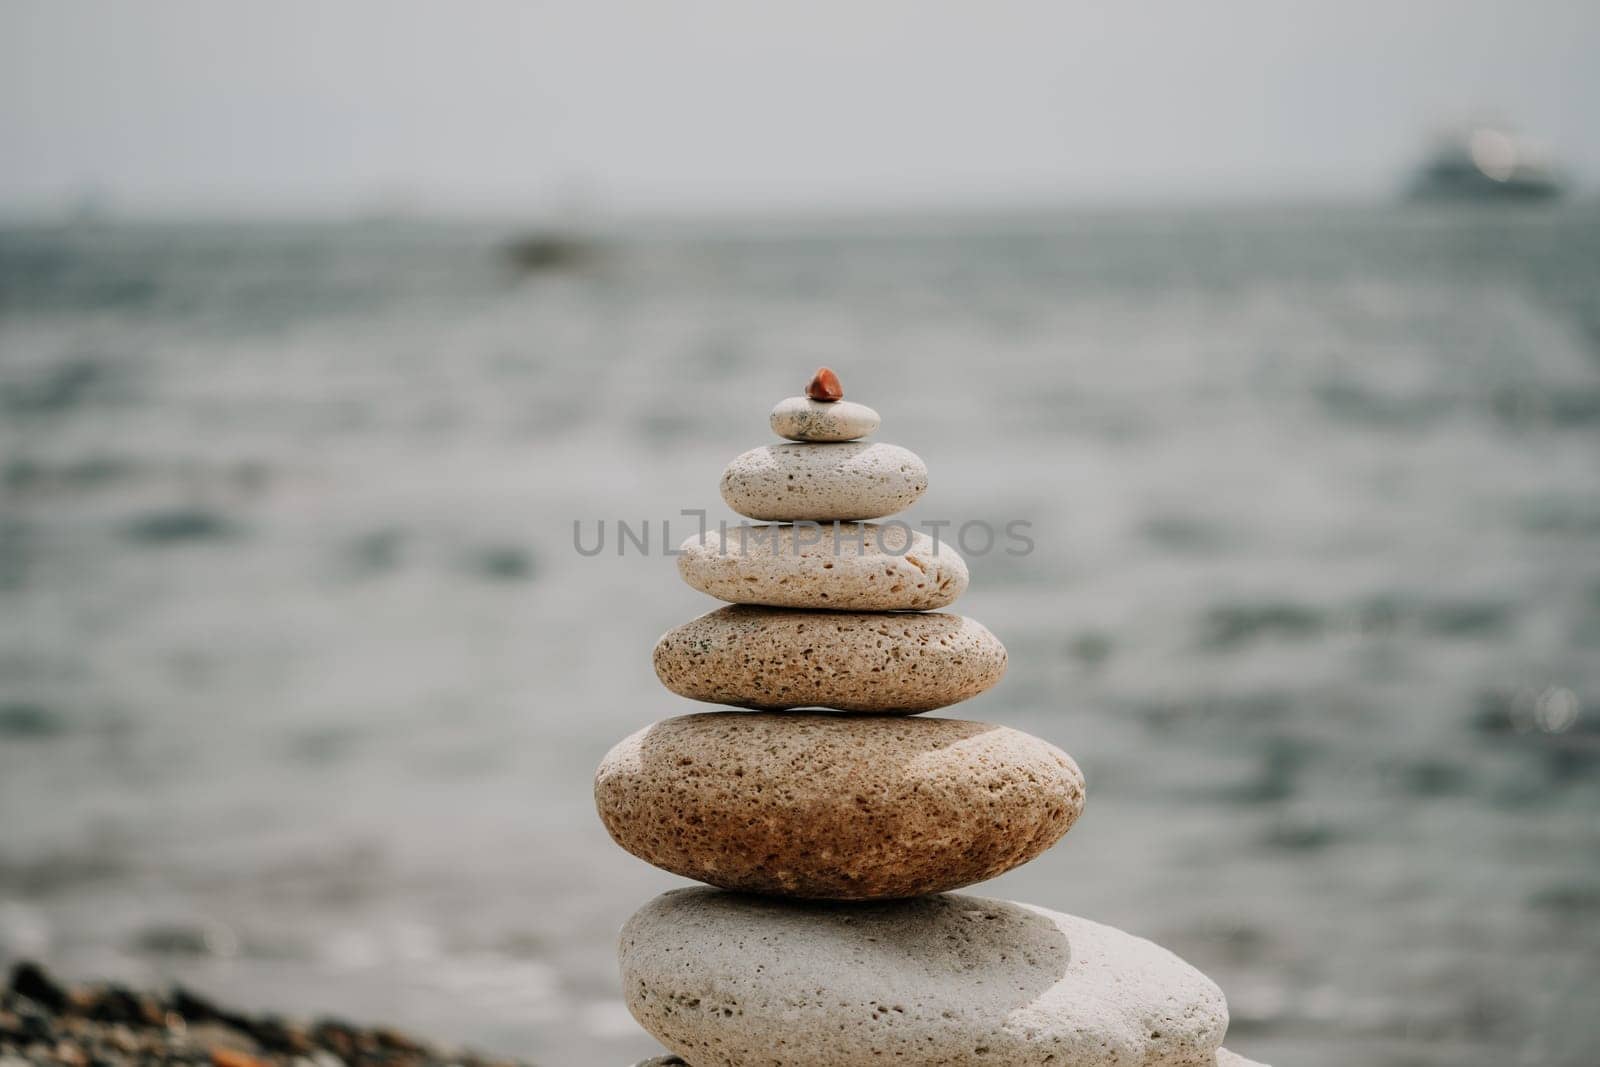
836, 807
726, 980
823, 482
774, 658
848, 568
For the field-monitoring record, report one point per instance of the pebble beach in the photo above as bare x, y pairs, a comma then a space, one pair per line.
102, 1025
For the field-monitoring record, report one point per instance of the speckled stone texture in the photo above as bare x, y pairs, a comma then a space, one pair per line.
1224, 1059
836, 807
726, 980
776, 658
853, 567
823, 482
800, 418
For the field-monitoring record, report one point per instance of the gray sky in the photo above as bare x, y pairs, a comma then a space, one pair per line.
279, 107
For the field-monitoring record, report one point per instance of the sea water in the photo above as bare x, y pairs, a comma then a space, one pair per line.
302, 680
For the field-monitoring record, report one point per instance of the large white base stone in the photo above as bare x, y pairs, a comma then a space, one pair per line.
725, 980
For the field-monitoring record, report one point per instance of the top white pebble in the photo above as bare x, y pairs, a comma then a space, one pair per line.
799, 418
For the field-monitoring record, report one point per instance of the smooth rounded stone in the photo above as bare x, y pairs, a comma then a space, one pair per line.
800, 418
823, 482
728, 981
836, 807
776, 658
844, 568
1225, 1059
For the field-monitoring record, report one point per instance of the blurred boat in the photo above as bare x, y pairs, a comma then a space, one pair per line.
551, 251
1486, 163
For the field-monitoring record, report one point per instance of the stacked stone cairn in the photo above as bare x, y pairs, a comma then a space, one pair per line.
833, 837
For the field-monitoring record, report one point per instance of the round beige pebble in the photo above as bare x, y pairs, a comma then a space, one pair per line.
775, 658
847, 567
726, 980
823, 482
836, 807
800, 418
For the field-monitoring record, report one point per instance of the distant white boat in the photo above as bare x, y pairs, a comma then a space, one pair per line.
1486, 163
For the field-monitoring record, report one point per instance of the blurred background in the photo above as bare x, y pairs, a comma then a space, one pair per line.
321, 325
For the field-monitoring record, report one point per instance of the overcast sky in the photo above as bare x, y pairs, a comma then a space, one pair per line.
279, 107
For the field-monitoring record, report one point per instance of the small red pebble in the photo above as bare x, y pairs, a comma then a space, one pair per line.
825, 387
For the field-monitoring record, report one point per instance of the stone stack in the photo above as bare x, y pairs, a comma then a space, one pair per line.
834, 836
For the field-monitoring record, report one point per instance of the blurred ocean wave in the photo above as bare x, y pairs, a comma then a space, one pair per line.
302, 682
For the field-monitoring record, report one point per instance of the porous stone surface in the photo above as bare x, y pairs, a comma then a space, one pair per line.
1225, 1059
775, 658
844, 567
799, 418
726, 980
823, 482
836, 807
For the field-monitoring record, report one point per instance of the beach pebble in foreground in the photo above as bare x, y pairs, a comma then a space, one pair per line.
853, 568
823, 482
800, 418
109, 1024
777, 658
836, 807
726, 980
